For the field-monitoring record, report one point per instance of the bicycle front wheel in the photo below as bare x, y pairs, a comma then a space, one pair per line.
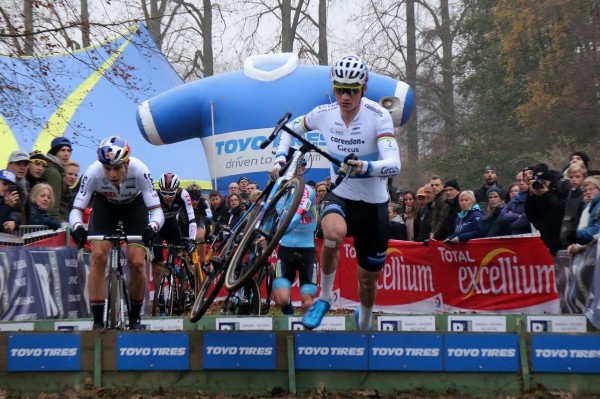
116, 305
269, 225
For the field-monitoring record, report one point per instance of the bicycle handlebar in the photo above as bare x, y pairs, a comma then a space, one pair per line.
282, 125
113, 237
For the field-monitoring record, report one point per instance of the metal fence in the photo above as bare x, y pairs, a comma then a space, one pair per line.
26, 234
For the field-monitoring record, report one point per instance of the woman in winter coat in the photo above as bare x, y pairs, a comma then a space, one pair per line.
470, 220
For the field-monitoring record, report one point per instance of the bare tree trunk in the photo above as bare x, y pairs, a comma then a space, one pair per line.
447, 76
28, 17
85, 23
412, 136
287, 35
323, 52
207, 49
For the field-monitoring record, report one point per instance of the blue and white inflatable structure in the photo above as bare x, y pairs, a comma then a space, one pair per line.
233, 113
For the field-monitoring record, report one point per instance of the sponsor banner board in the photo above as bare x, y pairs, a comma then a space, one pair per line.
552, 353
73, 325
24, 326
153, 351
406, 323
329, 323
496, 324
244, 323
408, 352
239, 351
557, 324
44, 352
331, 351
163, 324
481, 352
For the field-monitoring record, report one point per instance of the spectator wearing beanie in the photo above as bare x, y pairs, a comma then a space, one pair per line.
452, 190
490, 178
494, 227
581, 157
59, 155
36, 169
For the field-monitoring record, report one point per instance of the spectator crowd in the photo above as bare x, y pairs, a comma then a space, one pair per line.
563, 206
38, 188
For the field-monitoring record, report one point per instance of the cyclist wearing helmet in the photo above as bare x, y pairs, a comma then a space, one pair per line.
173, 201
202, 216
122, 190
358, 206
296, 253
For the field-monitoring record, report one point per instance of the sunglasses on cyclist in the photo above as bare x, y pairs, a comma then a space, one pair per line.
40, 162
351, 90
168, 193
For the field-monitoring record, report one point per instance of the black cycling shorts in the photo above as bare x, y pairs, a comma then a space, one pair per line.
367, 223
300, 260
171, 234
105, 215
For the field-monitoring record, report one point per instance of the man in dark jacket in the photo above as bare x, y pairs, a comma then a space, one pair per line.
426, 194
59, 155
545, 206
490, 177
513, 214
219, 209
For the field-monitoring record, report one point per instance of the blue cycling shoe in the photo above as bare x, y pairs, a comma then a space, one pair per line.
313, 318
357, 317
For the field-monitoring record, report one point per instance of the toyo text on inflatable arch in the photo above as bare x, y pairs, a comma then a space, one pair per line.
233, 113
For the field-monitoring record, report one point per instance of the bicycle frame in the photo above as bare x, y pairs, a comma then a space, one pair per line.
174, 301
116, 298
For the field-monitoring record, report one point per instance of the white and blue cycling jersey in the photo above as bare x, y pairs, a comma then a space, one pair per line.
370, 136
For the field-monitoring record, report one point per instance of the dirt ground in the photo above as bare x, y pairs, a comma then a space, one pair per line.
93, 393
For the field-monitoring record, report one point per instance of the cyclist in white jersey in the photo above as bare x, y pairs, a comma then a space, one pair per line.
173, 200
121, 188
358, 206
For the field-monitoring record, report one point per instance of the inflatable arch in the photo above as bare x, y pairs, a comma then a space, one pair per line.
232, 113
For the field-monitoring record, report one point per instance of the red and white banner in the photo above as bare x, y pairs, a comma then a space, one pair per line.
507, 275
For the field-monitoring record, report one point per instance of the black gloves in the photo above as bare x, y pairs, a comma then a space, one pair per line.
191, 246
148, 234
79, 236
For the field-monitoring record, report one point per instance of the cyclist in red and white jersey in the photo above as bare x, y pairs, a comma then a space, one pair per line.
173, 200
358, 206
121, 188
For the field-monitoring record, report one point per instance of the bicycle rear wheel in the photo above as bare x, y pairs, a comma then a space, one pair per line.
245, 301
161, 296
215, 276
271, 225
206, 295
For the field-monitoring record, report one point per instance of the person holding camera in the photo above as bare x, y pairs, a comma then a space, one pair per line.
545, 205
8, 199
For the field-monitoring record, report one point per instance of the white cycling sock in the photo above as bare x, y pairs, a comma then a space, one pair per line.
327, 287
364, 318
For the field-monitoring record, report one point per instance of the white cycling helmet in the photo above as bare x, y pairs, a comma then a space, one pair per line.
350, 69
168, 182
113, 151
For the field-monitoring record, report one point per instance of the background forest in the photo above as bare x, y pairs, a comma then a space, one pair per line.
503, 82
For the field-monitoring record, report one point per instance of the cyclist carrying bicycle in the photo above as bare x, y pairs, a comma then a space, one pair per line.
122, 190
358, 205
296, 253
173, 200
